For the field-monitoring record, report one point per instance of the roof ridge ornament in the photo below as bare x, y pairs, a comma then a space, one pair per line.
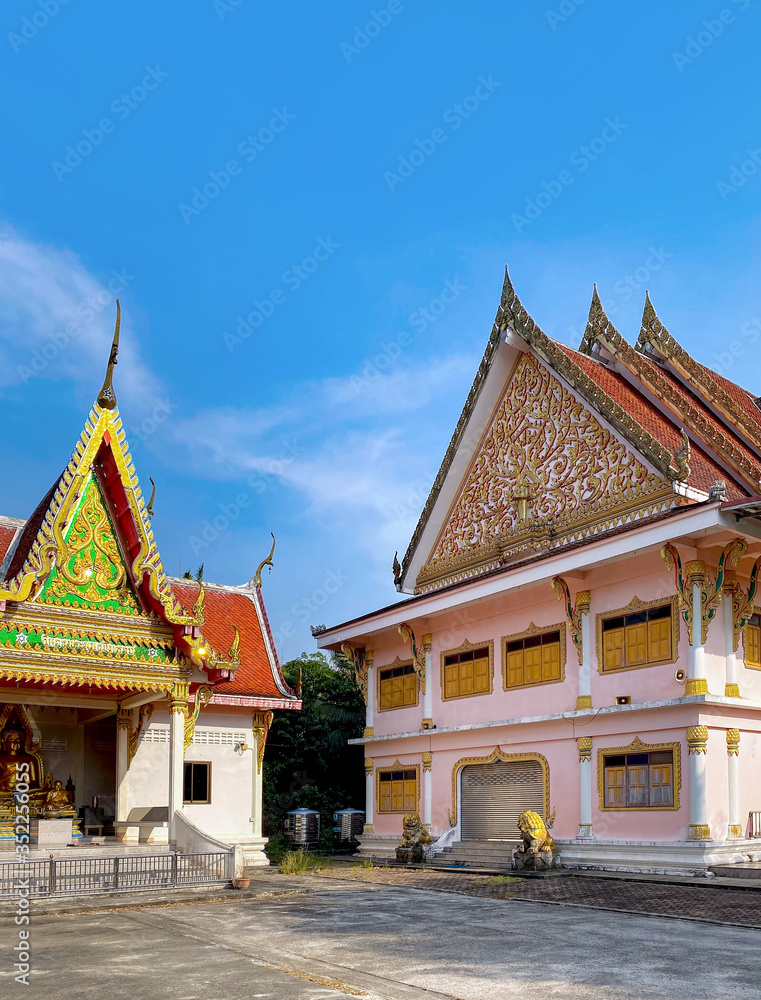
599, 329
265, 562
653, 333
107, 396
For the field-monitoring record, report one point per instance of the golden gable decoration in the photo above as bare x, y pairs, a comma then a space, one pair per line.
546, 472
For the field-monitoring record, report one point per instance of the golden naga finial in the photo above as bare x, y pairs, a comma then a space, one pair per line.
107, 396
233, 655
265, 562
149, 508
199, 611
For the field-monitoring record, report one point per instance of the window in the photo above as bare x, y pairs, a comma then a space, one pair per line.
397, 791
466, 672
397, 687
534, 658
197, 784
752, 641
638, 639
639, 780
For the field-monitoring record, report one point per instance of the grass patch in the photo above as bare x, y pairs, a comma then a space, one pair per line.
301, 861
498, 880
364, 863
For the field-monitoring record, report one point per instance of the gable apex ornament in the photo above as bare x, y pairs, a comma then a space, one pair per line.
107, 395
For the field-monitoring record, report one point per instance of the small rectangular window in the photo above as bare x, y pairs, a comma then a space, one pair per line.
466, 673
534, 659
639, 781
637, 639
753, 641
397, 791
397, 687
197, 783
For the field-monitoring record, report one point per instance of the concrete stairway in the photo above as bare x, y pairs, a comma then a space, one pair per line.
492, 854
747, 869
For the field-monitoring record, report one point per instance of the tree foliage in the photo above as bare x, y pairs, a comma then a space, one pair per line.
308, 762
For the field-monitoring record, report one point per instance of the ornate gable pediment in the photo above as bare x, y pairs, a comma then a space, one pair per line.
545, 472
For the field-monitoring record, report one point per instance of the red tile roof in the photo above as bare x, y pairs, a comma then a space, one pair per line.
225, 609
7, 535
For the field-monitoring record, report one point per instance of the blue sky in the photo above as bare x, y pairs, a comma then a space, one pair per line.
306, 211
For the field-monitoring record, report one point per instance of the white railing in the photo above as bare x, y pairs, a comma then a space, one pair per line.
755, 824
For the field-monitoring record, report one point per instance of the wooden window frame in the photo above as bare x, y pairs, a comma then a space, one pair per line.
749, 663
387, 769
393, 666
638, 747
529, 633
197, 802
635, 606
467, 647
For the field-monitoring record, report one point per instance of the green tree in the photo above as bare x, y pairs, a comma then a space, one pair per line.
308, 762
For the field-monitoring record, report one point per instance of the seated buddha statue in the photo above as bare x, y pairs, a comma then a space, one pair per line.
57, 800
18, 766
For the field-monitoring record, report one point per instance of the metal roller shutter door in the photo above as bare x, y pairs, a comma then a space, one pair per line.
494, 795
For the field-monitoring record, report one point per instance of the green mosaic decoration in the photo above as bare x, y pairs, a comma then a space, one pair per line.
93, 574
78, 644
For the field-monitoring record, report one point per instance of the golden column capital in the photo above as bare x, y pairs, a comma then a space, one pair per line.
697, 739
178, 697
733, 742
427, 760
730, 582
427, 641
369, 765
584, 744
583, 602
696, 572
124, 719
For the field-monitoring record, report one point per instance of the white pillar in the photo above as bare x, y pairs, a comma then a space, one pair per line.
586, 831
584, 698
178, 706
696, 680
370, 691
427, 788
697, 742
427, 722
123, 726
731, 686
734, 826
369, 793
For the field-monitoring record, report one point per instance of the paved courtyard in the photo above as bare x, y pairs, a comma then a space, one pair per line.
305, 937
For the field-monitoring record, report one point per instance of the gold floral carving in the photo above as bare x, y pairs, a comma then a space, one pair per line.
637, 746
133, 741
544, 443
262, 723
743, 602
427, 760
361, 664
584, 744
369, 765
498, 754
418, 654
202, 698
573, 612
733, 742
697, 739
696, 574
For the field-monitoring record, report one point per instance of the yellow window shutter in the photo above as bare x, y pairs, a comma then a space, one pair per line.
659, 640
551, 661
515, 668
386, 700
451, 680
410, 685
753, 644
636, 644
533, 665
466, 677
613, 649
481, 674
410, 795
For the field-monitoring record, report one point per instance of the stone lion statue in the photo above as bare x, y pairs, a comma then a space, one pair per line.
534, 835
415, 838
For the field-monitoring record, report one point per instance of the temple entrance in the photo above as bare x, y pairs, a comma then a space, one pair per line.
495, 794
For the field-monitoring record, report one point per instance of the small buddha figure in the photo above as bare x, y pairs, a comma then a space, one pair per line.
12, 756
58, 801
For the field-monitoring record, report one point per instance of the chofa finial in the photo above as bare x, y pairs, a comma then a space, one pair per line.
107, 396
265, 562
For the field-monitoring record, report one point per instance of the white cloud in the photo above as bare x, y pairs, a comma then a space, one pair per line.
57, 321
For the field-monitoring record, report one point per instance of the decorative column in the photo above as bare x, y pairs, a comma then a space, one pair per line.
697, 742
369, 692
261, 722
427, 722
696, 671
731, 588
369, 794
123, 727
580, 628
178, 708
734, 829
584, 744
427, 788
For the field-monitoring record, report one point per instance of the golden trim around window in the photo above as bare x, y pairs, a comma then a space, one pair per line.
396, 766
390, 666
637, 746
633, 606
533, 630
466, 647
498, 754
750, 666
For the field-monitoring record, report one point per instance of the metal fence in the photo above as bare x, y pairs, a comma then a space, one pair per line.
120, 873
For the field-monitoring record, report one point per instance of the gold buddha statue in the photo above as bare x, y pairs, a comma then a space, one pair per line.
57, 800
19, 764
